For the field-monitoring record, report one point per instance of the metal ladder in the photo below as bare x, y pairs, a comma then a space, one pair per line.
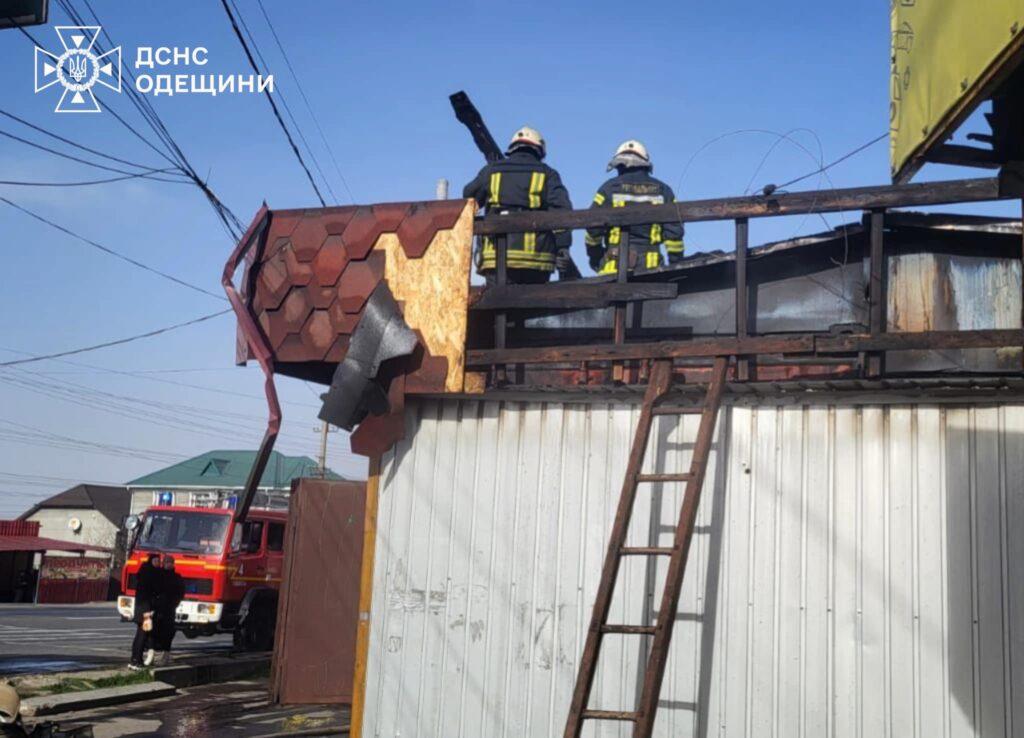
643, 718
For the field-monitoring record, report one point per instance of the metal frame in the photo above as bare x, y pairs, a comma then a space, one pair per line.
258, 345
746, 344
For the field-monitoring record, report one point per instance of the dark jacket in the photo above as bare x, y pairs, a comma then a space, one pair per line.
634, 187
170, 591
145, 589
520, 182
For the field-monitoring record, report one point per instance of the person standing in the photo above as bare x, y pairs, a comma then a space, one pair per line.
170, 593
633, 185
519, 182
145, 592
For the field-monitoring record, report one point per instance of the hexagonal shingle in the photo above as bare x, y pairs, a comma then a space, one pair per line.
296, 308
298, 273
317, 334
368, 223
273, 282
359, 280
308, 236
330, 261
423, 222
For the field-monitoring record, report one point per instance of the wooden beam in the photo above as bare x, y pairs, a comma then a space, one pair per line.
662, 350
794, 203
572, 295
964, 156
930, 340
742, 310
802, 343
877, 271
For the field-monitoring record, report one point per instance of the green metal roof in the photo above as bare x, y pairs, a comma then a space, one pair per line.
227, 469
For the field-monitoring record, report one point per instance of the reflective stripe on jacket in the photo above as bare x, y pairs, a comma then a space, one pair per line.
521, 182
634, 187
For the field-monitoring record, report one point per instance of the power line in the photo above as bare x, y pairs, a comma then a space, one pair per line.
840, 160
75, 144
112, 252
55, 152
87, 183
229, 220
273, 105
284, 102
118, 342
309, 107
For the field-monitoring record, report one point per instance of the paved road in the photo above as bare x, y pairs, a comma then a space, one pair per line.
47, 638
215, 710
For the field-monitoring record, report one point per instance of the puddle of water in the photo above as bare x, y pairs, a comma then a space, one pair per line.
32, 665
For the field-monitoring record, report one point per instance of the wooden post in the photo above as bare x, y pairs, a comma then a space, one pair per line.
621, 276
365, 599
876, 289
501, 317
742, 309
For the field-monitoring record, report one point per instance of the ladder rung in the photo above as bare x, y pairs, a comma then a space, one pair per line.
629, 629
664, 477
646, 551
677, 410
610, 715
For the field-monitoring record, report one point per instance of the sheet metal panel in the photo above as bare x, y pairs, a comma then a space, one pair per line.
856, 571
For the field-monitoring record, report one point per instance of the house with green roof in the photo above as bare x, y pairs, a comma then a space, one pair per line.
215, 478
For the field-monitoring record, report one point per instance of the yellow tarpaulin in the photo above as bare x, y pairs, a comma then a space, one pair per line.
944, 54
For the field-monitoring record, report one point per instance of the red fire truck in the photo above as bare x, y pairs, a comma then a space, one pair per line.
232, 570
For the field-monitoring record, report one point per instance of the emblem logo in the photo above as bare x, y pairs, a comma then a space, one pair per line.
78, 69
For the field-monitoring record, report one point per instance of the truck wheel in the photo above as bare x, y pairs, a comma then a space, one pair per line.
256, 632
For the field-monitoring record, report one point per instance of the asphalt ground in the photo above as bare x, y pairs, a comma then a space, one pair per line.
38, 639
231, 709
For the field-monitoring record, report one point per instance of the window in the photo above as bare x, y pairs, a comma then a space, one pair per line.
183, 532
275, 537
248, 536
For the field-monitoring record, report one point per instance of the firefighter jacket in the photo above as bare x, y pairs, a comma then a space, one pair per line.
633, 187
520, 182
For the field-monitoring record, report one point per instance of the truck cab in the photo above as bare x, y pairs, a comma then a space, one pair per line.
232, 571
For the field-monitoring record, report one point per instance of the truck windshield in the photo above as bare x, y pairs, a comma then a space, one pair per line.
202, 533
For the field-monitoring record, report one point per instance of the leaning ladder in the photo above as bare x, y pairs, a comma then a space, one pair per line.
643, 718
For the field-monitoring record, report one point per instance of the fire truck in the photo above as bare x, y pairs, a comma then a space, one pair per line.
232, 570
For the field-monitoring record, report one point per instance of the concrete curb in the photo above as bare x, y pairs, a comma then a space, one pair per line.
52, 704
224, 670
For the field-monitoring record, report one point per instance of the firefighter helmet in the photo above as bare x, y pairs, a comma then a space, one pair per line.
10, 703
631, 153
526, 136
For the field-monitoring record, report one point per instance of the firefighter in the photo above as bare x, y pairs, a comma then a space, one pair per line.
522, 181
633, 185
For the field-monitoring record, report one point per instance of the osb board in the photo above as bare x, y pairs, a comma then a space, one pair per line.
434, 293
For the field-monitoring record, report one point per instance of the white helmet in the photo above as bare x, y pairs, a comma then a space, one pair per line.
631, 153
526, 136
10, 703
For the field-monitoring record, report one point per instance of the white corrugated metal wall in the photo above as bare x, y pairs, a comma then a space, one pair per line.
857, 571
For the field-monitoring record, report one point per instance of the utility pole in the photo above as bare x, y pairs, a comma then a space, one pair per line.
323, 450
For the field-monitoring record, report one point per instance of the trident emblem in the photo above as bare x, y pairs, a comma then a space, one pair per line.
78, 69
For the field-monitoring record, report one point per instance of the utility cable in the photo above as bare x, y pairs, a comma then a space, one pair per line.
118, 342
302, 92
840, 160
87, 183
273, 105
75, 144
111, 252
284, 102
147, 173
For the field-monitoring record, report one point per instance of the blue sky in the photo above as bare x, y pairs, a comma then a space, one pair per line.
676, 75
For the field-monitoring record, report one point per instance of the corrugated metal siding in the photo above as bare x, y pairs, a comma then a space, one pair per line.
858, 571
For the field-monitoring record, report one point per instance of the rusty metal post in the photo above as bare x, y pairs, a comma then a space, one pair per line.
742, 309
876, 289
501, 317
